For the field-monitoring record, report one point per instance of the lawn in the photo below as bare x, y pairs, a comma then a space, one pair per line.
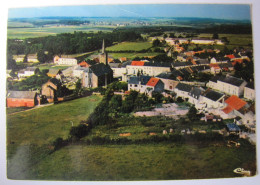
51, 66
42, 126
139, 162
135, 46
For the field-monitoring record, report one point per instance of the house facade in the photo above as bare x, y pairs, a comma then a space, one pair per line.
249, 91
147, 68
64, 61
29, 71
49, 89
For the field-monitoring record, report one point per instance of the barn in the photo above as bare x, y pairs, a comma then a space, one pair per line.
21, 99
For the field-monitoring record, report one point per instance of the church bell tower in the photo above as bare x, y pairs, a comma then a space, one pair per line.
103, 57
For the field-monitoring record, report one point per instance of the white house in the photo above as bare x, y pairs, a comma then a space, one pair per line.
229, 85
138, 83
169, 80
147, 68
64, 61
213, 99
249, 91
78, 72
29, 71
182, 90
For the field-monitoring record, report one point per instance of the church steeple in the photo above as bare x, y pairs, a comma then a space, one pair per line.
103, 47
103, 57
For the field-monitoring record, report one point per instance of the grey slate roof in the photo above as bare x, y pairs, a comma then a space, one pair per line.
101, 69
213, 95
136, 79
196, 92
232, 80
167, 75
21, 94
183, 87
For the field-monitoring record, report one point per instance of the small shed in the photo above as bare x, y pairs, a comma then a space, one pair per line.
233, 128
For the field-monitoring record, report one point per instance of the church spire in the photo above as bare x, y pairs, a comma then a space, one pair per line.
103, 46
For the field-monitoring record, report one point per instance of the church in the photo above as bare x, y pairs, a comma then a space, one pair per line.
99, 74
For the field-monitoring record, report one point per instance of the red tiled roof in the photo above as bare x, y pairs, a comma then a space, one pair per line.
137, 63
83, 64
216, 66
153, 81
179, 78
235, 102
230, 56
228, 109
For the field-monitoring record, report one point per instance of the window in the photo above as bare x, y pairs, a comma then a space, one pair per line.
130, 85
135, 85
170, 87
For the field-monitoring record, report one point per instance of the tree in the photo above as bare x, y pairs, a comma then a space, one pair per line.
172, 35
156, 43
192, 114
41, 56
215, 36
25, 59
11, 64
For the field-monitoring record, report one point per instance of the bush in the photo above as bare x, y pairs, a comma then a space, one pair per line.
58, 143
79, 131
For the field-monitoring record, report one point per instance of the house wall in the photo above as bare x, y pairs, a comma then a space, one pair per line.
249, 93
180, 93
15, 102
118, 71
48, 92
78, 73
212, 104
94, 81
169, 84
147, 70
67, 61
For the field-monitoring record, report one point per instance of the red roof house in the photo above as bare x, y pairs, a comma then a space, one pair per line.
137, 63
233, 103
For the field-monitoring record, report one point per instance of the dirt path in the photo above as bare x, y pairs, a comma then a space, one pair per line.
36, 107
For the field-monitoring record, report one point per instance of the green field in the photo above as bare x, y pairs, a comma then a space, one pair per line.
138, 162
22, 33
30, 134
50, 66
135, 46
235, 40
42, 126
133, 55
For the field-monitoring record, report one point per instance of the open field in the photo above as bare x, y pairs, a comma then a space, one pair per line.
139, 162
42, 126
133, 55
23, 33
50, 66
235, 40
135, 46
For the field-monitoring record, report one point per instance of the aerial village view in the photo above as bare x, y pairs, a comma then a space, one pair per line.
130, 94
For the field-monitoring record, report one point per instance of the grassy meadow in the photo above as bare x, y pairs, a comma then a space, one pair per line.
30, 32
139, 162
135, 46
235, 40
43, 125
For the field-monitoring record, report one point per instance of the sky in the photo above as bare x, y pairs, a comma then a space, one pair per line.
221, 11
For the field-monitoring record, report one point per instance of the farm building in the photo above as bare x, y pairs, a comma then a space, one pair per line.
21, 99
